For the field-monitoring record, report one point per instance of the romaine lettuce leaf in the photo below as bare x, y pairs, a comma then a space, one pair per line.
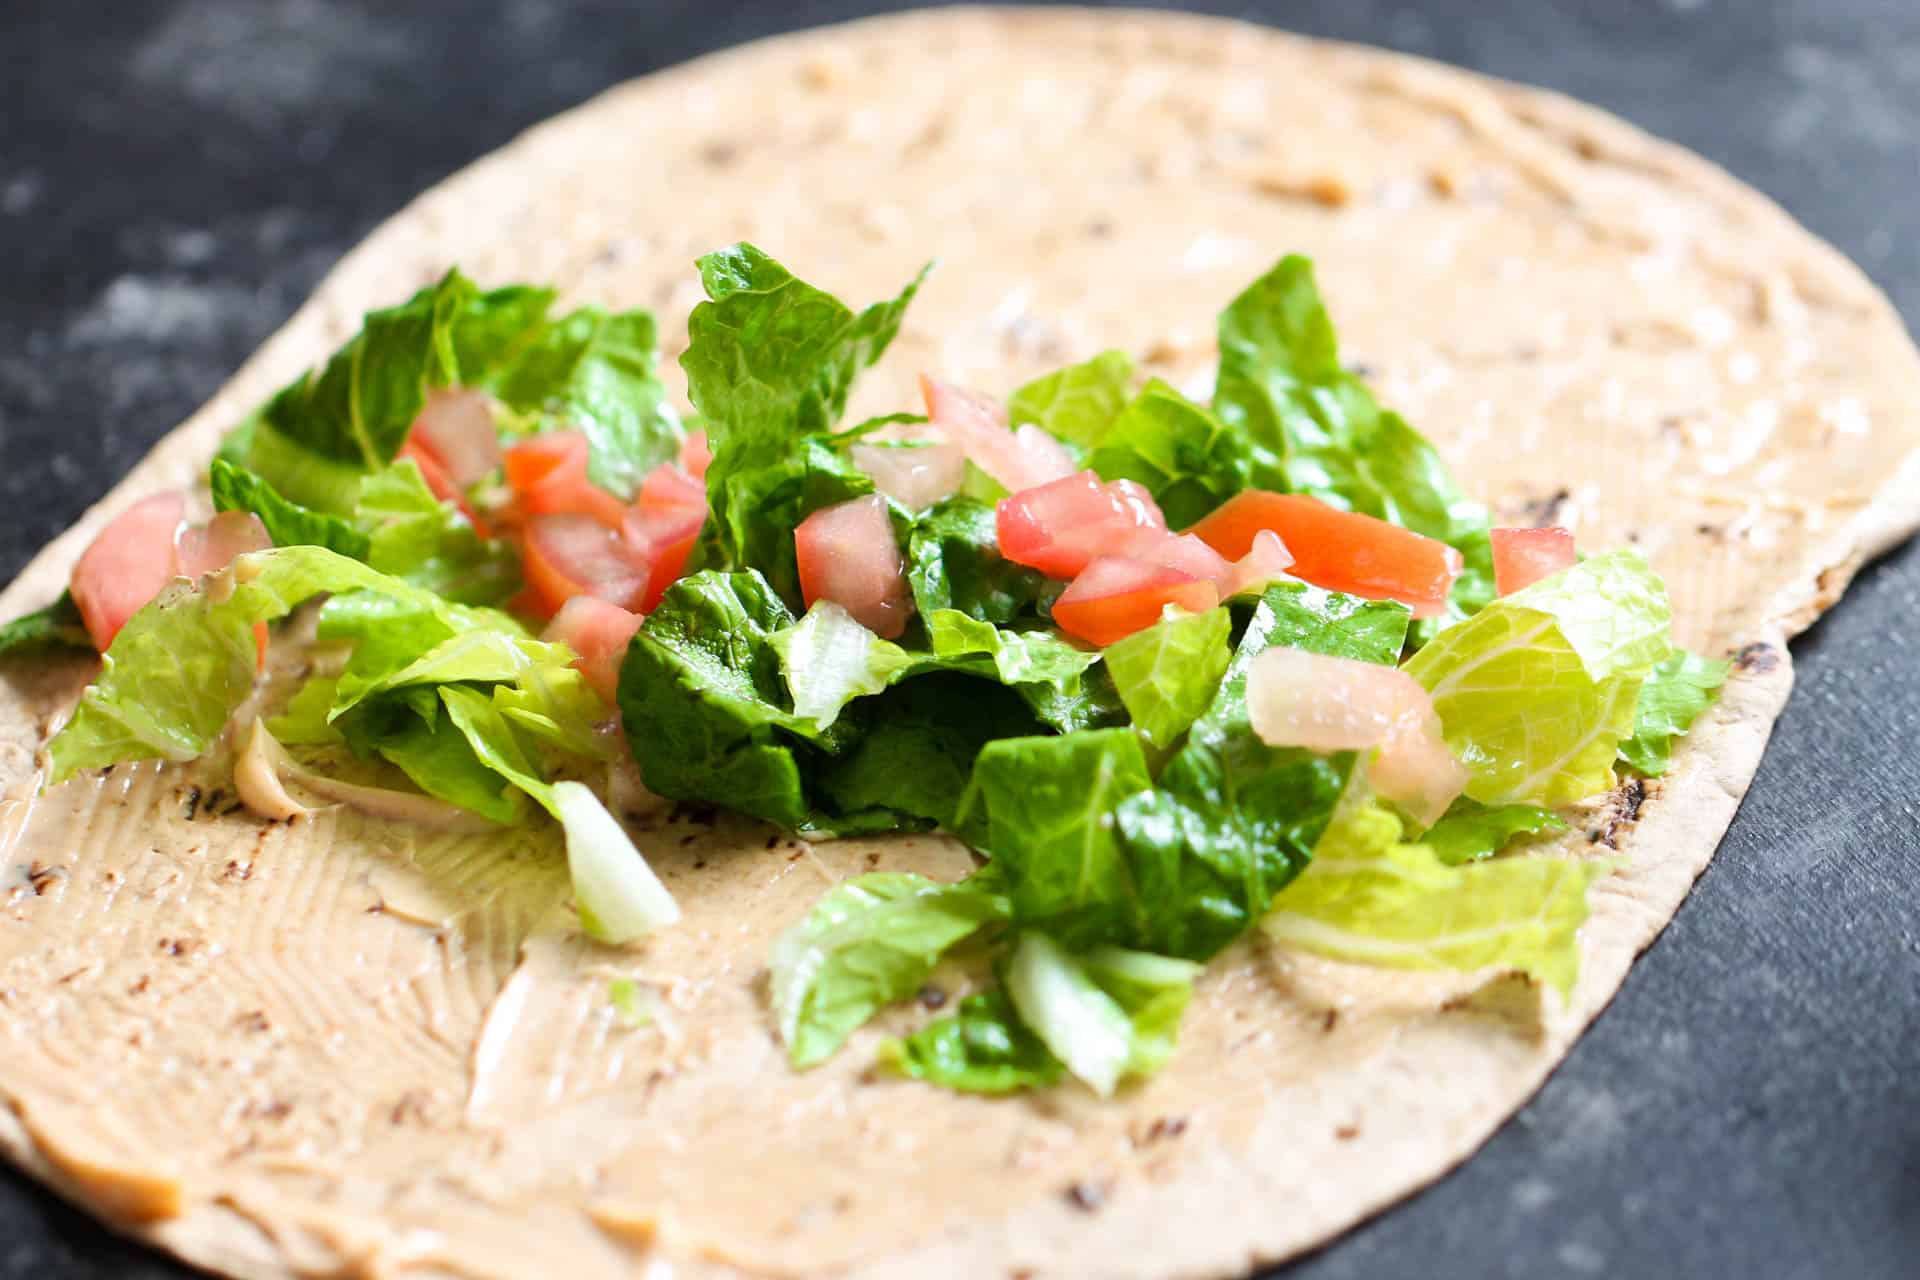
912, 764
594, 370
1537, 691
867, 942
1063, 683
183, 663
1106, 1015
1188, 459
1043, 807
1674, 695
981, 1047
770, 362
288, 524
1371, 898
1311, 427
954, 562
1079, 403
1471, 831
58, 626
1169, 673
830, 659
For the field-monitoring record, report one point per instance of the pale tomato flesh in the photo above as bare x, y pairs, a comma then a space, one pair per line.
127, 564
978, 424
1339, 550
548, 476
456, 427
667, 485
1266, 562
200, 549
440, 484
1113, 597
916, 473
663, 537
568, 555
598, 632
1296, 698
847, 554
1521, 557
1061, 526
696, 455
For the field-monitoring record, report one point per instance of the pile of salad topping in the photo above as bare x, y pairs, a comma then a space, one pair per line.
1173, 670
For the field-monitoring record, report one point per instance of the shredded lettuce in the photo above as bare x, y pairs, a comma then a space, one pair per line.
1371, 898
1106, 1015
1470, 831
616, 893
1537, 691
867, 942
830, 659
770, 362
1674, 695
1311, 427
1079, 403
1188, 459
58, 626
981, 1047
954, 562
1168, 674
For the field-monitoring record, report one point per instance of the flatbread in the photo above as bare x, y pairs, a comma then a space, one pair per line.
340, 1047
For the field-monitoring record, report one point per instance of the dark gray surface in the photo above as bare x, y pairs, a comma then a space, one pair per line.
175, 177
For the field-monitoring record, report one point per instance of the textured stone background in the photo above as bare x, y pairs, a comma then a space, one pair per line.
176, 175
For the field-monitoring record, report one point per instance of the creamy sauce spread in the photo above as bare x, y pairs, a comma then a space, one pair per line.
338, 1044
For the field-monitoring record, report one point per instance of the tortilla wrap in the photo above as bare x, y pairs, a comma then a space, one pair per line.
342, 1047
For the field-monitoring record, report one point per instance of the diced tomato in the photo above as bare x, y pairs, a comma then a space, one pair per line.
663, 537
127, 564
696, 455
1339, 550
456, 427
568, 555
848, 555
1059, 527
667, 486
1296, 698
1019, 459
548, 475
1521, 557
1182, 552
599, 633
200, 549
1265, 562
914, 473
1115, 597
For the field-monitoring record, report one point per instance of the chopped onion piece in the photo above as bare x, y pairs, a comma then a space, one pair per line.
616, 893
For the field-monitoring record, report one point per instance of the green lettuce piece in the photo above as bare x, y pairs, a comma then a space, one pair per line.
1674, 695
1470, 831
555, 705
829, 659
476, 656
1369, 897
770, 362
981, 1047
594, 370
954, 562
1233, 820
1188, 459
1169, 673
1079, 403
1537, 691
182, 664
1061, 682
867, 942
288, 523
915, 759
305, 720
1311, 427
1042, 806
1106, 1015
439, 758
706, 705
58, 626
